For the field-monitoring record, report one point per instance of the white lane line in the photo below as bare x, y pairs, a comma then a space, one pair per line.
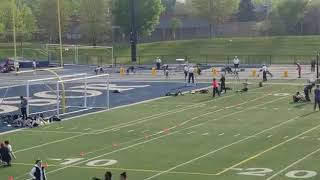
130, 131
237, 135
269, 136
222, 148
205, 134
59, 128
175, 133
294, 163
190, 132
221, 134
73, 128
87, 129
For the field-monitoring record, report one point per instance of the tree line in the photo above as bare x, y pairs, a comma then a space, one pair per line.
97, 18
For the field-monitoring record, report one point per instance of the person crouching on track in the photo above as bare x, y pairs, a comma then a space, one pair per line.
298, 98
5, 155
215, 87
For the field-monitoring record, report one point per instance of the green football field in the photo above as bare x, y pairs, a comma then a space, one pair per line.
249, 136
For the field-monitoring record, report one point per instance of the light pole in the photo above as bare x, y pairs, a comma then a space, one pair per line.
133, 32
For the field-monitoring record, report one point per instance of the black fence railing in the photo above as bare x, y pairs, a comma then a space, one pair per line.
219, 59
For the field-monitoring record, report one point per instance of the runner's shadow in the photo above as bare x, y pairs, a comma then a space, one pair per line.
308, 114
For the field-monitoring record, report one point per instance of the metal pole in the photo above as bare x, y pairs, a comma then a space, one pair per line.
85, 93
28, 97
58, 98
60, 33
108, 94
14, 28
133, 33
318, 65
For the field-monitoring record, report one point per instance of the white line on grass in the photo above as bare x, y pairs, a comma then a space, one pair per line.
175, 132
294, 163
222, 148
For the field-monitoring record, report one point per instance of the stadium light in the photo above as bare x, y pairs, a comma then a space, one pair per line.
318, 65
60, 33
133, 33
14, 28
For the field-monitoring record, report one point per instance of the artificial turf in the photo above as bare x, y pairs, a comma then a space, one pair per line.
239, 136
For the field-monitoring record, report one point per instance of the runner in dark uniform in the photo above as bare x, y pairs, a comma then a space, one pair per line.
317, 98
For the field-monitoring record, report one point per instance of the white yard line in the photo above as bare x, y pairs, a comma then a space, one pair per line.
76, 136
222, 148
294, 163
171, 133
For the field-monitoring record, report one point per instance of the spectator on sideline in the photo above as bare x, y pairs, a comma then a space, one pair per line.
23, 107
5, 155
299, 68
236, 62
191, 74
317, 98
38, 172
107, 176
8, 145
313, 66
123, 176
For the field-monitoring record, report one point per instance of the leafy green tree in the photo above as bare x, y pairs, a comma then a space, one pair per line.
94, 19
169, 4
216, 11
25, 21
175, 24
147, 15
48, 18
292, 12
246, 11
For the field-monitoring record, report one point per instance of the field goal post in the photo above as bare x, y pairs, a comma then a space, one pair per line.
82, 94
80, 54
47, 93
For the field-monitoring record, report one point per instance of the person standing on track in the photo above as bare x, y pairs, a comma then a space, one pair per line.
34, 64
236, 63
307, 91
191, 74
317, 98
313, 66
186, 70
299, 69
215, 88
5, 155
23, 107
223, 84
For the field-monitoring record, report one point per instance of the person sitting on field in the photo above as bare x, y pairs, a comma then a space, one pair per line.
298, 97
107, 176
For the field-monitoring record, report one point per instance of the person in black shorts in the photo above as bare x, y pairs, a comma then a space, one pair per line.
23, 107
